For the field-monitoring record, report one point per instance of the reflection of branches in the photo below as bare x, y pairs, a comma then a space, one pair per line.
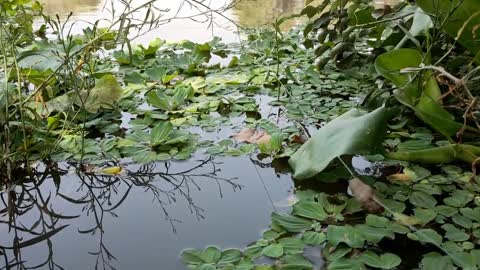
97, 195
21, 201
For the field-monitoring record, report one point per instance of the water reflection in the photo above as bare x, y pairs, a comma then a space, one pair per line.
53, 7
32, 214
203, 26
68, 218
252, 13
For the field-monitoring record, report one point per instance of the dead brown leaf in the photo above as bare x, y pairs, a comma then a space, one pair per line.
298, 139
365, 194
252, 135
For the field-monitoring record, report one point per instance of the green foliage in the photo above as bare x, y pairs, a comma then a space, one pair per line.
354, 132
272, 84
162, 143
106, 92
459, 19
309, 225
417, 92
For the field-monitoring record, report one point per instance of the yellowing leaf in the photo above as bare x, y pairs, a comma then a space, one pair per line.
406, 220
112, 170
399, 177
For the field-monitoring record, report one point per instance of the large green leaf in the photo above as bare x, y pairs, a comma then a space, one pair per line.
421, 24
417, 91
354, 132
230, 256
192, 257
310, 209
295, 262
346, 234
374, 235
429, 236
160, 133
291, 223
42, 57
292, 245
182, 93
158, 99
273, 250
106, 92
460, 16
435, 261
346, 264
314, 238
384, 261
211, 255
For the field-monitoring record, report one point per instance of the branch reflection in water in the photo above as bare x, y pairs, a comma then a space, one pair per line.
29, 217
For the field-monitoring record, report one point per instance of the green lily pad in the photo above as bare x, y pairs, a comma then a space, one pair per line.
345, 234
291, 223
435, 261
459, 198
309, 209
192, 257
455, 234
384, 261
429, 236
423, 199
230, 256
273, 250
211, 255
314, 238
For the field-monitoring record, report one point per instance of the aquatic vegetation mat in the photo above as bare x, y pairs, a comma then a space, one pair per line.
352, 83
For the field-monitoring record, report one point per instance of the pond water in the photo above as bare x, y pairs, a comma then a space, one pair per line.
199, 27
145, 217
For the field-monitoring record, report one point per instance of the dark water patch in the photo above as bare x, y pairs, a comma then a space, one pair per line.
329, 188
144, 216
410, 251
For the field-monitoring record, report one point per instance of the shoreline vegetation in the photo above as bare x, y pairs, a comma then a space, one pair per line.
396, 86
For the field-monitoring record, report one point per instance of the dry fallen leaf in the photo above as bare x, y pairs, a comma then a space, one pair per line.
297, 139
252, 136
365, 194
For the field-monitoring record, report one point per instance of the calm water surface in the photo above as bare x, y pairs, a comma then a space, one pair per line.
245, 13
146, 217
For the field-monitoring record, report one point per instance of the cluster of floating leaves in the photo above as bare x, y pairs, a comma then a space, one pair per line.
437, 214
167, 101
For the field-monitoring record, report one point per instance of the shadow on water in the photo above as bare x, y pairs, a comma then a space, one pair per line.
59, 217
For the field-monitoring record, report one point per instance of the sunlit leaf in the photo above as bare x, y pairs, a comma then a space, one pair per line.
354, 132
